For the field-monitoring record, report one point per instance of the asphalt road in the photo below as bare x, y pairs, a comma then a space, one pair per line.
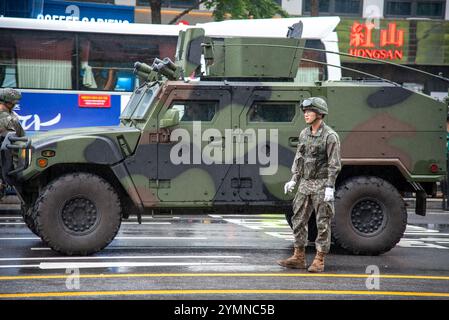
220, 257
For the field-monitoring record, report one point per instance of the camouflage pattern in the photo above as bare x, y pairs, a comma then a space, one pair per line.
324, 212
10, 95
381, 127
10, 122
316, 104
317, 161
316, 166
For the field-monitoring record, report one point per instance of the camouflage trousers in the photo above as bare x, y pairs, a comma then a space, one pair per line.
303, 206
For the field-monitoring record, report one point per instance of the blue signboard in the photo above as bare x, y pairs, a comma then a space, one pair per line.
67, 10
48, 111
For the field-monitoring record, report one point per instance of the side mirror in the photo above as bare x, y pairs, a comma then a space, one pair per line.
169, 119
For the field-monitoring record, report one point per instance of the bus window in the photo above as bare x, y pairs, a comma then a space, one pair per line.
310, 71
7, 60
36, 60
107, 61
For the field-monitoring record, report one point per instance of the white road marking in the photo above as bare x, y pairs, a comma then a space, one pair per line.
20, 266
81, 265
136, 223
7, 218
21, 238
118, 257
88, 265
122, 238
160, 238
11, 223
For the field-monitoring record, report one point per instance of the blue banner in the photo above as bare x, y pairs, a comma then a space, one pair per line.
48, 111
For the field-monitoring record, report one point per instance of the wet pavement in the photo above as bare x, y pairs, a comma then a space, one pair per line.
220, 257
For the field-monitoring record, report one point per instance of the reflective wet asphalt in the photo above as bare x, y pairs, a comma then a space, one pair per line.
230, 256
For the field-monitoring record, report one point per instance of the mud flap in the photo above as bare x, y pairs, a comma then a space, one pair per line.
421, 201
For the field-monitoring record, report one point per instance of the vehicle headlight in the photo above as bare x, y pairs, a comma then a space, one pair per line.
23, 156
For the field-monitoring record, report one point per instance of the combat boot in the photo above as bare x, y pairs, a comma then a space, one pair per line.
296, 261
318, 263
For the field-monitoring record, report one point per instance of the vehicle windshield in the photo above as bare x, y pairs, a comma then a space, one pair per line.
132, 104
140, 103
146, 102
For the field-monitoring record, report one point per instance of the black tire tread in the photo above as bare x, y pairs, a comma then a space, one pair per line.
67, 178
361, 181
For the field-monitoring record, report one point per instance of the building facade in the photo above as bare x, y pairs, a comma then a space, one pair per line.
408, 32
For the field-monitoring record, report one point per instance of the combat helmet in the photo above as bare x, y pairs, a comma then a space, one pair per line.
316, 104
10, 95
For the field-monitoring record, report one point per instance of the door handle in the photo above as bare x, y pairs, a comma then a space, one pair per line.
293, 141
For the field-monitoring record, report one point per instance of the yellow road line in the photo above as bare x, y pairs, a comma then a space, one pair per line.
230, 275
239, 291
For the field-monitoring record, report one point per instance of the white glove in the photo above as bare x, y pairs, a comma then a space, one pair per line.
329, 194
289, 186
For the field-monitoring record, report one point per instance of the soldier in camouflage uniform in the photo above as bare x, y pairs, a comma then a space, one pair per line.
9, 120
315, 166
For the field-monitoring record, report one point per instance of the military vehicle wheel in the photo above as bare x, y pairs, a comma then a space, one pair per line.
370, 216
78, 214
27, 215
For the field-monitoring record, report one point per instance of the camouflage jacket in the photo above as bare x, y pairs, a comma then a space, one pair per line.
317, 161
10, 122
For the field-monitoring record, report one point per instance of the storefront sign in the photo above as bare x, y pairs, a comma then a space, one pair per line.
389, 46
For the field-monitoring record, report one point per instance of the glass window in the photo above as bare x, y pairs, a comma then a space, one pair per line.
272, 112
347, 6
133, 103
414, 8
36, 60
107, 61
398, 8
146, 102
324, 6
310, 71
195, 110
430, 9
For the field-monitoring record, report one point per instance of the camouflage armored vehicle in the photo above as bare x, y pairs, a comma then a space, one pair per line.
221, 136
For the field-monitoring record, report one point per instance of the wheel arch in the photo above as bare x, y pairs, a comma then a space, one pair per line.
103, 171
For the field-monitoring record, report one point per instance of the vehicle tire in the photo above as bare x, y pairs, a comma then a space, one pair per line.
78, 214
370, 216
27, 215
312, 229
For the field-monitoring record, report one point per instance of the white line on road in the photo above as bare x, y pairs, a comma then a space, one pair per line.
160, 238
119, 257
20, 266
81, 265
122, 238
10, 223
136, 223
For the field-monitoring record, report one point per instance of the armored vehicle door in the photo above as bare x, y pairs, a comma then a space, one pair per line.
270, 122
191, 161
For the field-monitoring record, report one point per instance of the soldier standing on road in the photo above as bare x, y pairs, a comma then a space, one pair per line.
9, 120
316, 166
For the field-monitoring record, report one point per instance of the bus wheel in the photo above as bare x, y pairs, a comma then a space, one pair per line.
78, 214
370, 216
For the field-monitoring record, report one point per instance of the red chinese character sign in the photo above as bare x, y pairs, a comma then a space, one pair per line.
389, 46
